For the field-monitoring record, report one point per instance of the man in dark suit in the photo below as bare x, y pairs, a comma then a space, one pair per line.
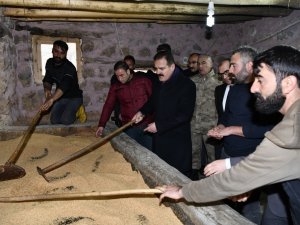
223, 73
173, 102
221, 93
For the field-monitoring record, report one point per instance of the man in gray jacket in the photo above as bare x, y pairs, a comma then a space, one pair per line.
276, 159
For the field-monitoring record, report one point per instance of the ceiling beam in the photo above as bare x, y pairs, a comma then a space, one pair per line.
144, 7
51, 13
38, 14
114, 20
283, 3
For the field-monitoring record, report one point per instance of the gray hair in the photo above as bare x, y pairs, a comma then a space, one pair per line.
247, 53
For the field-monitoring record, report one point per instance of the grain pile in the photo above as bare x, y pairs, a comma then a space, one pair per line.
102, 170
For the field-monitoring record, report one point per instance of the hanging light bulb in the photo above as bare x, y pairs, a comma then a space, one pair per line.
210, 20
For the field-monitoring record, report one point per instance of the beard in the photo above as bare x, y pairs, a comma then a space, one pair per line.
241, 76
58, 61
272, 103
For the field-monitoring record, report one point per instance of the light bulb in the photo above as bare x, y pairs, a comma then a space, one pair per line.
210, 21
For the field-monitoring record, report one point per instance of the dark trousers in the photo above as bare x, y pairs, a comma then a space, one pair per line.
249, 209
269, 218
276, 211
218, 150
64, 110
138, 134
292, 189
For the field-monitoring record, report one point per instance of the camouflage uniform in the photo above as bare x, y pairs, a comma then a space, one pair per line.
204, 118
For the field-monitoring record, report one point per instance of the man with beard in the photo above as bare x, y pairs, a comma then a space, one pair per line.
67, 98
193, 68
172, 102
240, 126
276, 159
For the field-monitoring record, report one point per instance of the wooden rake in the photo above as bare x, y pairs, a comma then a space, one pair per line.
87, 195
81, 152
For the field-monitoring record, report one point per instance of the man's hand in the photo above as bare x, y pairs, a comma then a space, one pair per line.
47, 105
221, 131
170, 191
138, 117
151, 128
49, 101
226, 131
241, 198
215, 167
216, 132
99, 131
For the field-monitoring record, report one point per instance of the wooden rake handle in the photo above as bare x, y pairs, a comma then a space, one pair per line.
14, 157
86, 195
82, 152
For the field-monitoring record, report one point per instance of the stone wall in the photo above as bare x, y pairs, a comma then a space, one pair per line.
8, 100
105, 43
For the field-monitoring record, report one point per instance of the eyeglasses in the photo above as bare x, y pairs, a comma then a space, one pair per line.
226, 72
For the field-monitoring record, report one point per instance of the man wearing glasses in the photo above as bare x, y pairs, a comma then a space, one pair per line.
221, 91
221, 94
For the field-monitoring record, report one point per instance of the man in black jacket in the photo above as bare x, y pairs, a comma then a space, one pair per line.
173, 102
221, 93
67, 98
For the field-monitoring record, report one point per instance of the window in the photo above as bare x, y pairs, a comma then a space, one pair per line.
42, 51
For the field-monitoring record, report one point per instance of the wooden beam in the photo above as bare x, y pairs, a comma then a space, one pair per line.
108, 6
283, 3
144, 7
105, 20
40, 13
56, 14
34, 14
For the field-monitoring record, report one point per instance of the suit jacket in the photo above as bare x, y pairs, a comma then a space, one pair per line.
219, 94
173, 105
240, 111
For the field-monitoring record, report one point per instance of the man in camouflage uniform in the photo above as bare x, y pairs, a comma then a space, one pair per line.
205, 115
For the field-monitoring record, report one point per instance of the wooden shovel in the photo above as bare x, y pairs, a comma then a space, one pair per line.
9, 170
81, 152
87, 195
